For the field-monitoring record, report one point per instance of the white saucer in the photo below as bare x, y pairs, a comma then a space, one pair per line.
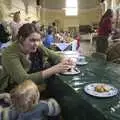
82, 63
73, 72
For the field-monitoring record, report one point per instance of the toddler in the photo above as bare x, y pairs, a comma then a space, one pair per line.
25, 104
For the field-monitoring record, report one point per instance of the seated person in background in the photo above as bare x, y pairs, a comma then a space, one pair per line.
116, 34
4, 34
42, 28
50, 28
69, 38
27, 58
25, 104
49, 39
37, 25
54, 27
113, 53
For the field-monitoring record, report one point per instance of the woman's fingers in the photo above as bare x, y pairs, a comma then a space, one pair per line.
67, 61
66, 68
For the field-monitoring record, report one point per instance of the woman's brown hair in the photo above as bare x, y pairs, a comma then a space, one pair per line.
25, 30
108, 13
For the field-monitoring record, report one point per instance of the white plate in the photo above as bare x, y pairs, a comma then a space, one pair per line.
90, 89
82, 63
70, 52
73, 72
81, 57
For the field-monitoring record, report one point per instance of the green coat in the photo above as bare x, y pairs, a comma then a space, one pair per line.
16, 66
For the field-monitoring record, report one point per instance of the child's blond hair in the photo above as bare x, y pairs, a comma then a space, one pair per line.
25, 96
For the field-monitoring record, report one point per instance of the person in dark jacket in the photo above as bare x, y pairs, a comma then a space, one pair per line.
4, 35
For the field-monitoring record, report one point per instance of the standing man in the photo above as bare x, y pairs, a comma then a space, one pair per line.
15, 25
54, 27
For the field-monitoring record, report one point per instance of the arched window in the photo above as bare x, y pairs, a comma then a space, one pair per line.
113, 4
71, 7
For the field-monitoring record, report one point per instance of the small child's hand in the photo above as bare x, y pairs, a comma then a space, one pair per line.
5, 97
54, 108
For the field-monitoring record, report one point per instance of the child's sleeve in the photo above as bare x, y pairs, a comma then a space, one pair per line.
4, 113
53, 107
1, 112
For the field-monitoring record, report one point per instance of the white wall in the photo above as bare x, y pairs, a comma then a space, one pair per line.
18, 5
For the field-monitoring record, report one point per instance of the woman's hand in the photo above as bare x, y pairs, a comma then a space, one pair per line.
66, 64
67, 61
61, 67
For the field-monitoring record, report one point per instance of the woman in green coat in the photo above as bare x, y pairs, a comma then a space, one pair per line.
27, 59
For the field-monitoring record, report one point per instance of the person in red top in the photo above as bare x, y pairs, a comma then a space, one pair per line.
77, 37
104, 30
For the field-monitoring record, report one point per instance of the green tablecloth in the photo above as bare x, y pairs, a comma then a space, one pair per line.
76, 104
97, 71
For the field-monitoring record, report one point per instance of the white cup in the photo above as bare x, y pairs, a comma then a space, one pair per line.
81, 59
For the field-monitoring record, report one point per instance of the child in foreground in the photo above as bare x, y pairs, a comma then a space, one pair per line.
25, 104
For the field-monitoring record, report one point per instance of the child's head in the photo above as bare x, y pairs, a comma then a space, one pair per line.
25, 96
